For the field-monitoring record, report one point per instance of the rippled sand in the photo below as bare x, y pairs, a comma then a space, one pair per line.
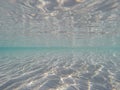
60, 71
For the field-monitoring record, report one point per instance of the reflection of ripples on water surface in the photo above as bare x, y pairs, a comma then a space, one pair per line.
46, 22
83, 71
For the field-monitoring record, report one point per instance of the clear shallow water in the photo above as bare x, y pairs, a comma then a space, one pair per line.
59, 44
56, 69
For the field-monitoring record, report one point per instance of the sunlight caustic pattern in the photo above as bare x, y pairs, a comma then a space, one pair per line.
59, 44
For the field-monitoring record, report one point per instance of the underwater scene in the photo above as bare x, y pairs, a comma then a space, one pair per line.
59, 44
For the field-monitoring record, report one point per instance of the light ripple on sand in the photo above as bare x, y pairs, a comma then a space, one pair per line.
48, 73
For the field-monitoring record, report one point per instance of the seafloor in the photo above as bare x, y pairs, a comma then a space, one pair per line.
93, 69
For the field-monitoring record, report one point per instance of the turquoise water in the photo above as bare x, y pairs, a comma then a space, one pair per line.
102, 48
68, 50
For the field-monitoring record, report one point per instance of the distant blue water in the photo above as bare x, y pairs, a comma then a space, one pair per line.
102, 48
33, 50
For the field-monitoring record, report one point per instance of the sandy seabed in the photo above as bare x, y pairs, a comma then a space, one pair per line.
60, 71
